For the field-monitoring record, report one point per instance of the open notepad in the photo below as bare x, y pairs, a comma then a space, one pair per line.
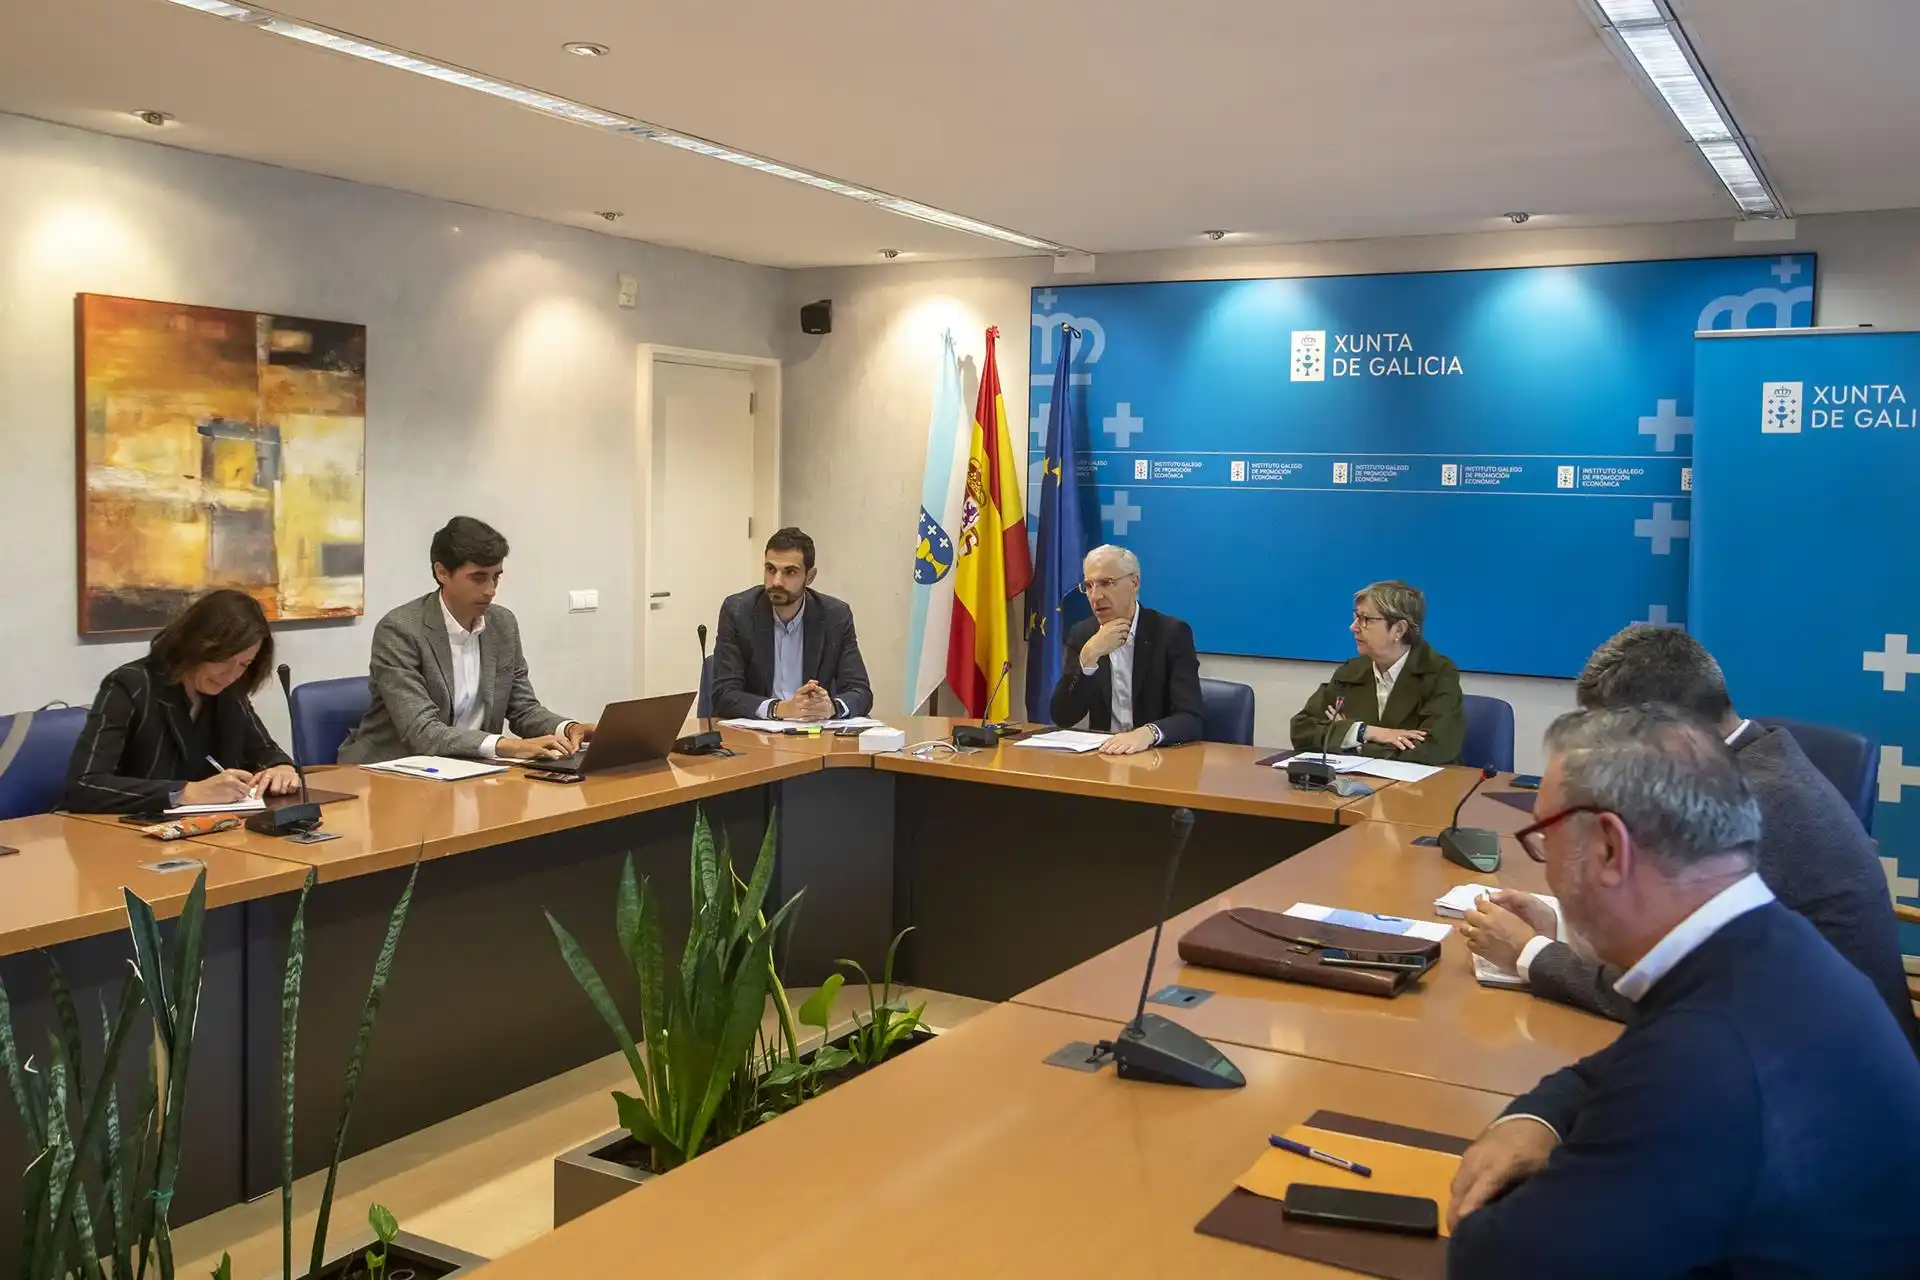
437, 768
1064, 740
1454, 904
252, 805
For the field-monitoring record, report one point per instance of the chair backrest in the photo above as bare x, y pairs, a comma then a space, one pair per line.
324, 713
1849, 760
33, 780
704, 707
1226, 711
1489, 738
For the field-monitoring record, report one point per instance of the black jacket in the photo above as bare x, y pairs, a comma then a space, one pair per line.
133, 754
1426, 696
743, 654
1166, 680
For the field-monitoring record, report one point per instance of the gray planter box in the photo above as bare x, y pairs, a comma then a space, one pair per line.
425, 1259
592, 1174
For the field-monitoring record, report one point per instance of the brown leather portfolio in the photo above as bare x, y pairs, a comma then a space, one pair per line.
1270, 944
1246, 1218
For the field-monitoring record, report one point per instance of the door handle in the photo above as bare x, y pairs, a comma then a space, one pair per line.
660, 595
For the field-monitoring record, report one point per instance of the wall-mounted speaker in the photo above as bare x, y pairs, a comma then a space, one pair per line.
817, 317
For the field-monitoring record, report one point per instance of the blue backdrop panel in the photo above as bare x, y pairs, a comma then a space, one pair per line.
1803, 561
1517, 443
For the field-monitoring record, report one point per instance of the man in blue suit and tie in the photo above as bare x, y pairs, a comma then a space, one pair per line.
1760, 1115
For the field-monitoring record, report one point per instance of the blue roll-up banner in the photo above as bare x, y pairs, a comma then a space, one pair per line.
1515, 442
1806, 545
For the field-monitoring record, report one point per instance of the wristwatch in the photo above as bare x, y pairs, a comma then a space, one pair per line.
1359, 732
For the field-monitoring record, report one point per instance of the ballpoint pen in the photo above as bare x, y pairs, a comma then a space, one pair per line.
253, 793
1302, 1149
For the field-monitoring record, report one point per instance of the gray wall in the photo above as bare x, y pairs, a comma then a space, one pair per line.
857, 401
501, 383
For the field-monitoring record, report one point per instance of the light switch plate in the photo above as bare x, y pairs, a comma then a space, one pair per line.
583, 601
629, 291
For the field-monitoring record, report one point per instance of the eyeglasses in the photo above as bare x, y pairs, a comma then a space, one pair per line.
1363, 619
1092, 585
1534, 838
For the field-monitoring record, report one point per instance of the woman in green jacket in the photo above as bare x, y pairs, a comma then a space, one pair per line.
1397, 699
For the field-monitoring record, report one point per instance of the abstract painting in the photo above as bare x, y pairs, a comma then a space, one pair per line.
218, 449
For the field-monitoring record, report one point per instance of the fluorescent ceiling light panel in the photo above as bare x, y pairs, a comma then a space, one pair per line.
1658, 49
580, 113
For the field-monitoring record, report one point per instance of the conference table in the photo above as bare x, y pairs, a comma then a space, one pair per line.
1026, 875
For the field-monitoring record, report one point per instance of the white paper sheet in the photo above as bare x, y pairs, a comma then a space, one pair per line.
1395, 770
254, 805
1073, 740
780, 726
1427, 929
436, 768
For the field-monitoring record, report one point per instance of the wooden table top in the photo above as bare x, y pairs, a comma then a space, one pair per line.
836, 752
970, 1157
66, 881
1449, 1028
1429, 804
1216, 776
397, 817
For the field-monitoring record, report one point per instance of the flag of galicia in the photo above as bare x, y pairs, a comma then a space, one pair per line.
1054, 602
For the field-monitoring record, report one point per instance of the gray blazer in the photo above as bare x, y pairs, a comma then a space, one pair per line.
1813, 854
412, 684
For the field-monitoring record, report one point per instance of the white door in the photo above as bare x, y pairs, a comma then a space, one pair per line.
700, 540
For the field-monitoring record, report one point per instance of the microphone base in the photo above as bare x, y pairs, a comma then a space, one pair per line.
1157, 1050
287, 820
1475, 848
1310, 775
982, 736
698, 744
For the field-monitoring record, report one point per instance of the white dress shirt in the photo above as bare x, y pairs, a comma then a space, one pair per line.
1383, 682
468, 710
1540, 941
1120, 696
1685, 938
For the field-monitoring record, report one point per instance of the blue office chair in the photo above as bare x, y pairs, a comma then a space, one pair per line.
34, 778
324, 713
1489, 737
1850, 761
1226, 711
705, 705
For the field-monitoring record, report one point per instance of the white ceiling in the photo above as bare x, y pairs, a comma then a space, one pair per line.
1132, 124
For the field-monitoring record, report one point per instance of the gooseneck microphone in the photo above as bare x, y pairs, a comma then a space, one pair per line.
1474, 848
987, 733
707, 741
1317, 775
1159, 1050
289, 819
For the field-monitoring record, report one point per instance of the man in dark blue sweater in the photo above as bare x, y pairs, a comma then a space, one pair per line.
1760, 1115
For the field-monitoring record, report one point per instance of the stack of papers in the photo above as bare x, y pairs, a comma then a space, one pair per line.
252, 805
1426, 929
438, 768
781, 726
1454, 903
1395, 770
1064, 740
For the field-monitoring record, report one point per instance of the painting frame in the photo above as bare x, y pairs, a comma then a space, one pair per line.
216, 447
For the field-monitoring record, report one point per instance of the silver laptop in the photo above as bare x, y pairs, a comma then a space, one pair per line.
628, 733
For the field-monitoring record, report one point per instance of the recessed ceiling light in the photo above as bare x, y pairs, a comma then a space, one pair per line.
889, 254
1519, 217
626, 126
585, 49
611, 215
1647, 36
1214, 235
154, 118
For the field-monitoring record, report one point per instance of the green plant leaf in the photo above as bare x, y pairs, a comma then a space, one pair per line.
385, 1225
356, 1064
830, 1058
785, 1073
291, 982
31, 1119
638, 1120
746, 1007
183, 987
113, 1176
590, 982
653, 975
817, 1011
145, 932
222, 1272
756, 895
70, 1196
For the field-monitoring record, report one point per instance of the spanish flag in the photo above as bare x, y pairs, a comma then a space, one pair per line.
993, 565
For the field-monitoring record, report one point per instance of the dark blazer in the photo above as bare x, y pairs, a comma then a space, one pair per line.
743, 654
1426, 696
133, 754
1759, 1118
411, 678
1166, 680
1813, 854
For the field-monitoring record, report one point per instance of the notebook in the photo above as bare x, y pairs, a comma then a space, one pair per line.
1064, 740
1454, 904
437, 768
253, 805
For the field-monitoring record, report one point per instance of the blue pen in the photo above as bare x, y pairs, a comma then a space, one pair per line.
1302, 1149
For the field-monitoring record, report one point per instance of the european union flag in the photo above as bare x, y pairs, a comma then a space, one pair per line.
1054, 602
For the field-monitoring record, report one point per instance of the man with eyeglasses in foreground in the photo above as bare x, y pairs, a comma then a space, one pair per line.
1760, 1116
1128, 671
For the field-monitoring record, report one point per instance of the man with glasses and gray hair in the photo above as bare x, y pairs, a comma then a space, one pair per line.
1127, 671
1813, 853
1760, 1115
1397, 698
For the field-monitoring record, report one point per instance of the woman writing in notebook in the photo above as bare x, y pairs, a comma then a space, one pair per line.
178, 727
